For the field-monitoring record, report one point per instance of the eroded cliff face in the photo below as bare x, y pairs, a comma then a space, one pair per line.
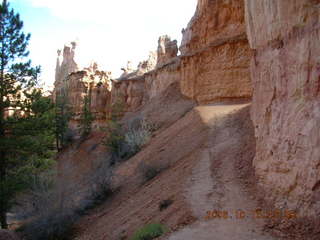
65, 63
215, 53
74, 85
94, 84
151, 78
214, 61
286, 108
167, 50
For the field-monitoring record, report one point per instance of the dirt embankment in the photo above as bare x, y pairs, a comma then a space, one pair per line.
207, 157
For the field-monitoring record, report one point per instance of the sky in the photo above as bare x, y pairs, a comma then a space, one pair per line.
108, 32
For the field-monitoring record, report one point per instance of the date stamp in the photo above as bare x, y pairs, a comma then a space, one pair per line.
256, 214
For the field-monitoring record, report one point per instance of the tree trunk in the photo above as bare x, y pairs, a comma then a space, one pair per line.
3, 166
3, 218
3, 163
3, 208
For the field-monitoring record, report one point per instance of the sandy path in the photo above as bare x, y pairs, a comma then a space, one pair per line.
215, 184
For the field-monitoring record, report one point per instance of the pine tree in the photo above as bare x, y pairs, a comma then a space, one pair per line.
86, 117
63, 115
26, 136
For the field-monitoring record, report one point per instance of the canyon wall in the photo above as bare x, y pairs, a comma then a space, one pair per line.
285, 70
73, 85
94, 84
214, 61
213, 65
167, 50
215, 53
151, 78
266, 50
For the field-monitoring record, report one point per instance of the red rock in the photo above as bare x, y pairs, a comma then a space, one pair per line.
286, 107
215, 53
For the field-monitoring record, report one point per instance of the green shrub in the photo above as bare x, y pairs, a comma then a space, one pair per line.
149, 232
86, 117
114, 139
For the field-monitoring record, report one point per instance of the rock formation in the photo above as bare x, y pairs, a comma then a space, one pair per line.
127, 70
167, 50
75, 85
215, 53
148, 65
214, 64
152, 76
266, 50
65, 64
286, 107
129, 88
95, 84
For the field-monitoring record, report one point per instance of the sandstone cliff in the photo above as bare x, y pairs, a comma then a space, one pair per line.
151, 78
219, 43
286, 108
167, 50
74, 85
215, 53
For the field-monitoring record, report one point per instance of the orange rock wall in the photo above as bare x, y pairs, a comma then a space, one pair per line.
285, 70
79, 84
215, 53
159, 80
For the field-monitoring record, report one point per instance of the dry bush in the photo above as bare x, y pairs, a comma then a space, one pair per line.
54, 213
151, 170
125, 142
136, 138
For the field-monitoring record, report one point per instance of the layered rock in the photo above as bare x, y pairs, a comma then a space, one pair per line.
94, 84
215, 53
129, 89
214, 65
160, 79
167, 50
286, 107
74, 85
153, 76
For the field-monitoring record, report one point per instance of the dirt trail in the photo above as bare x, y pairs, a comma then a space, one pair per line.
215, 183
208, 153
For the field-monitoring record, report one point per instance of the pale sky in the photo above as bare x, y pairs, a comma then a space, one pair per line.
109, 32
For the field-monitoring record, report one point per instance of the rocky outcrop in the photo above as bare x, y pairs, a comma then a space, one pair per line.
215, 53
167, 50
214, 64
129, 89
65, 64
286, 108
160, 79
74, 85
153, 76
94, 84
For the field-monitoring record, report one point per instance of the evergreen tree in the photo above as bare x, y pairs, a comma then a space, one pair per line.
86, 117
26, 136
63, 115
